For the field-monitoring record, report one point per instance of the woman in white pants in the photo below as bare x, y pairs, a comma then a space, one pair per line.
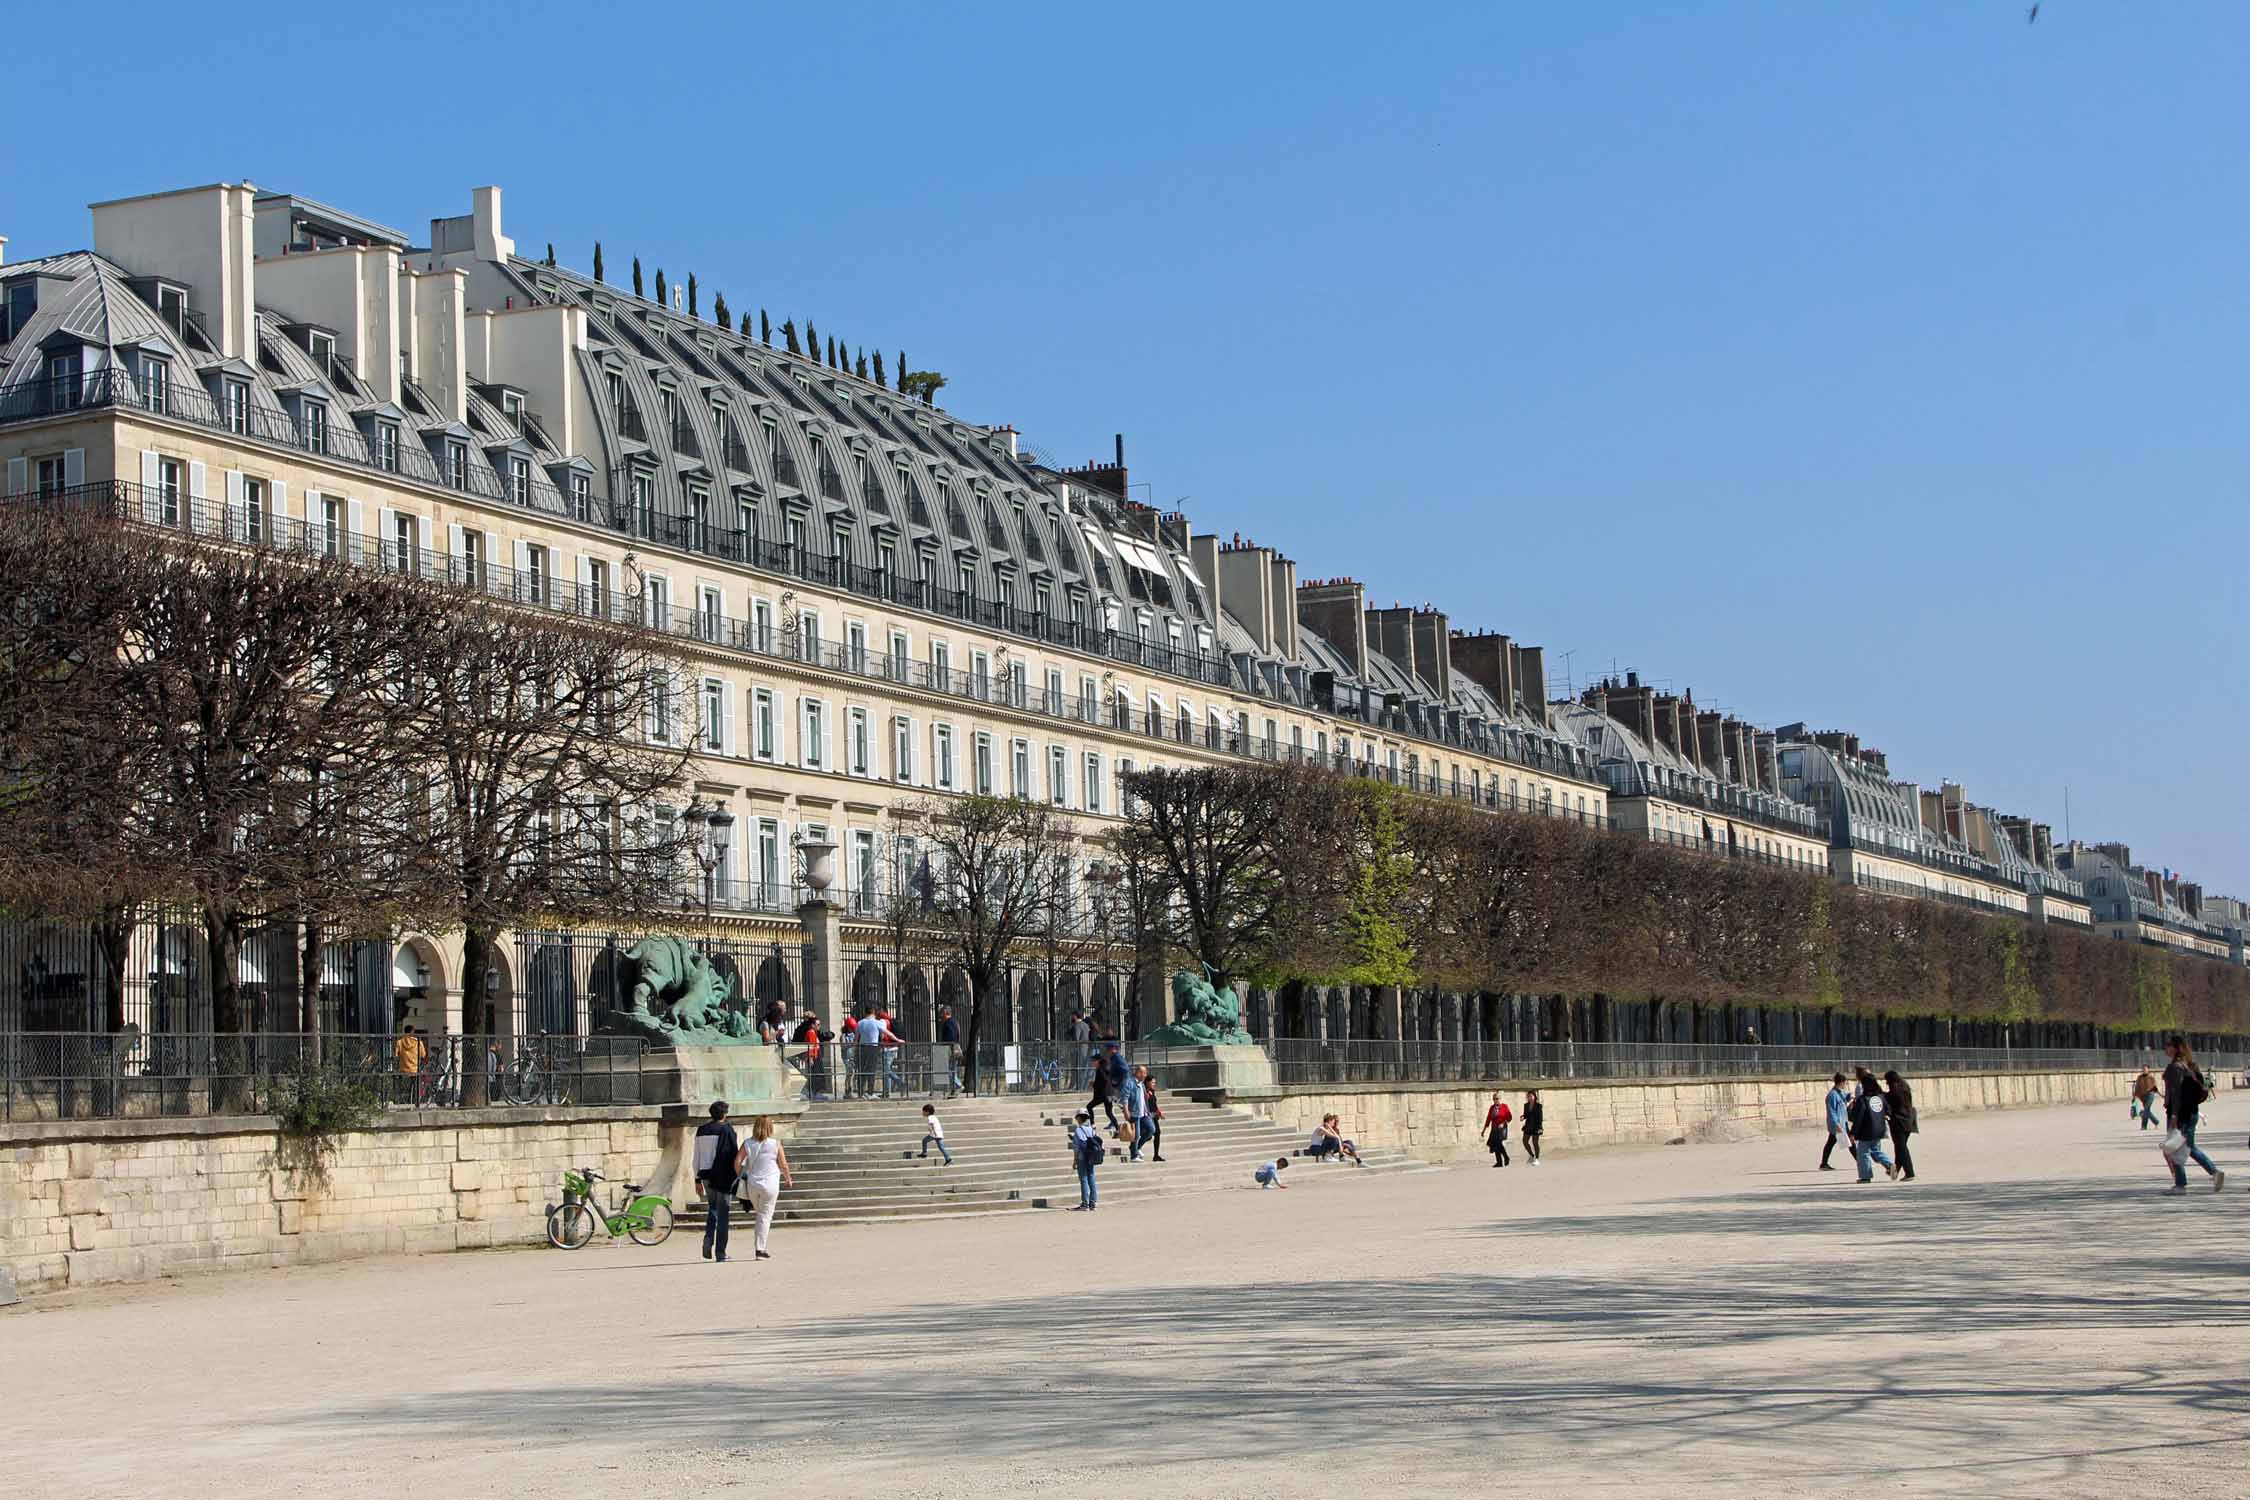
762, 1169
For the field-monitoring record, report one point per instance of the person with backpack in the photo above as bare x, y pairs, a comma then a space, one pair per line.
1868, 1121
1898, 1102
1839, 1104
715, 1152
2185, 1090
1086, 1153
1534, 1124
1496, 1122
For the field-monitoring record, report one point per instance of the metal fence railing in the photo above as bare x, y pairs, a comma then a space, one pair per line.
131, 1075
1309, 1062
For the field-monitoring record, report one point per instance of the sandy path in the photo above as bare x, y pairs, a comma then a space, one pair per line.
2029, 1318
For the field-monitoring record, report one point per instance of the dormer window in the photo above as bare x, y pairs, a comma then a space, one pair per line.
457, 463
322, 347
386, 447
171, 306
519, 479
156, 383
511, 406
316, 426
235, 397
582, 496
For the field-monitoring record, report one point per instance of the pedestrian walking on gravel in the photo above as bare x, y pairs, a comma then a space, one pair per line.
2184, 1093
1898, 1101
1496, 1121
1154, 1119
765, 1172
1839, 1104
2145, 1094
715, 1151
933, 1134
1086, 1152
1869, 1125
1534, 1125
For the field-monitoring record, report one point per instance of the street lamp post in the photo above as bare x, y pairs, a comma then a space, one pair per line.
710, 852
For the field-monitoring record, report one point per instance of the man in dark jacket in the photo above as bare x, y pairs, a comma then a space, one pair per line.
1104, 1097
949, 1037
715, 1150
1870, 1126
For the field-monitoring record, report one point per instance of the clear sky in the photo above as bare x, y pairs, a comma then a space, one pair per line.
1875, 365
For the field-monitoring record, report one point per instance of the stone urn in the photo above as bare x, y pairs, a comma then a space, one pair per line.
820, 866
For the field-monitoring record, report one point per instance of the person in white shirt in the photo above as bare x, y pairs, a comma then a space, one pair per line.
933, 1133
762, 1171
871, 1032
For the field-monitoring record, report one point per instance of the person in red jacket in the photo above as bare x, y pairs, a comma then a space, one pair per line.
1496, 1120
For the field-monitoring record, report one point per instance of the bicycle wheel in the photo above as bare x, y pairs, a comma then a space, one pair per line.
657, 1230
570, 1226
523, 1081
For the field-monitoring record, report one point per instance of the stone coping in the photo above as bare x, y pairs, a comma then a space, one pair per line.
1546, 1083
175, 1127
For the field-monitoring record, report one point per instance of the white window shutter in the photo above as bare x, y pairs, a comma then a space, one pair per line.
352, 544
238, 510
386, 537
73, 467
19, 475
455, 540
828, 742
726, 720
197, 476
523, 567
279, 489
585, 578
491, 551
152, 509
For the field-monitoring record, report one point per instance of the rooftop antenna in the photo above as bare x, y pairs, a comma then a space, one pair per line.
1569, 688
2068, 838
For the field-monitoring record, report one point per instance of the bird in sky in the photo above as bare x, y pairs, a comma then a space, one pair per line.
2031, 15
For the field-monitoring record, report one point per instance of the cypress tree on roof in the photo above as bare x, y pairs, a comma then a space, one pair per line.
637, 277
597, 260
789, 335
663, 294
718, 309
746, 332
812, 340
862, 370
879, 367
691, 312
765, 329
550, 252
902, 369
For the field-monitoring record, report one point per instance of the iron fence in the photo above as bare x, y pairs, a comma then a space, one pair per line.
1300, 1062
72, 1075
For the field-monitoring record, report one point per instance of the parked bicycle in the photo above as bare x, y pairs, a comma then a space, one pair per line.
439, 1085
645, 1218
531, 1077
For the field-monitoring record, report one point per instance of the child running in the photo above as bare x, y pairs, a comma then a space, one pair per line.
933, 1134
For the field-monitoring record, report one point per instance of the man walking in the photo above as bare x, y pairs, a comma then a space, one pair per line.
1081, 1034
1103, 1099
874, 1034
1870, 1127
1136, 1107
715, 1151
949, 1037
1839, 1103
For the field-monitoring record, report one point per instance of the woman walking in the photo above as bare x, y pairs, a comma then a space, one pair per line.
1496, 1129
2144, 1099
1534, 1124
764, 1171
1866, 1122
1154, 1119
1900, 1097
2184, 1093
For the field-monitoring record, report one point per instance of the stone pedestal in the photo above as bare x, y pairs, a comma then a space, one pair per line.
827, 986
1225, 1074
751, 1077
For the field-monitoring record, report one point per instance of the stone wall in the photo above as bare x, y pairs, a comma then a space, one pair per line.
93, 1201
1441, 1122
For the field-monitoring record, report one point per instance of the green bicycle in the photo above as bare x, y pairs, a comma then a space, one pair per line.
645, 1218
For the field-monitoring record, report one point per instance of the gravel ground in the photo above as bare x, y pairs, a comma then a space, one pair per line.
2030, 1317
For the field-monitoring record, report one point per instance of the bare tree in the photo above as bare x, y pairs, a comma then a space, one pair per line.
550, 747
993, 864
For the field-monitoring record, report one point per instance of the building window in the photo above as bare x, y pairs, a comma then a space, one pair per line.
898, 655
519, 480
812, 753
1058, 775
855, 644
941, 753
769, 862
862, 754
761, 625
582, 496
1019, 768
1054, 702
457, 464
714, 715
984, 765
968, 581
660, 603
941, 666
597, 588
511, 407
237, 396
660, 707
406, 539
168, 490
332, 523
472, 559
761, 723
1093, 782
53, 476
535, 578
156, 384
902, 748
386, 446
316, 426
322, 347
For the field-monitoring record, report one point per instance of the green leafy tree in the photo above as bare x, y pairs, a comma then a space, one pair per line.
597, 260
923, 386
1381, 950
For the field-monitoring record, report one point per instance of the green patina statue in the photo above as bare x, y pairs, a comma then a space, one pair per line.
1203, 1016
679, 999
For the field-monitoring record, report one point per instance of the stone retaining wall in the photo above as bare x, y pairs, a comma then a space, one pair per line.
1442, 1122
127, 1200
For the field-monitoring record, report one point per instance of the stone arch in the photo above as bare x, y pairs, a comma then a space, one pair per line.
418, 987
554, 999
1103, 1003
915, 1007
870, 988
1034, 1023
774, 982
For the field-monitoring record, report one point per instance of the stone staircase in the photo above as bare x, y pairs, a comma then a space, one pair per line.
857, 1162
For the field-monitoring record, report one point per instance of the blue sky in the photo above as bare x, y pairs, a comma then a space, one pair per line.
1874, 365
